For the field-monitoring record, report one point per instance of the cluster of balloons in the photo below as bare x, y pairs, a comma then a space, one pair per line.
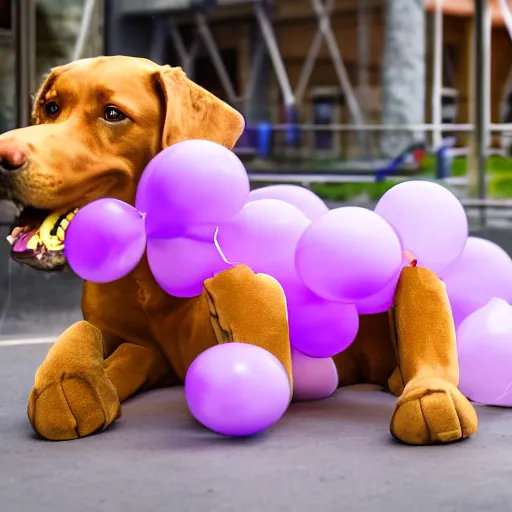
184, 193
195, 216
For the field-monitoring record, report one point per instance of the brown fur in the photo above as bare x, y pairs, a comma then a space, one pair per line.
134, 336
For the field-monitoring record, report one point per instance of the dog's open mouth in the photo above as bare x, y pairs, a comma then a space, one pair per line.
38, 238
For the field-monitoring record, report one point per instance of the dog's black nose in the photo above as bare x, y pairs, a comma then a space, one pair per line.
13, 155
8, 167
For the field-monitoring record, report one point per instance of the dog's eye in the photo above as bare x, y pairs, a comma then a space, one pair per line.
113, 115
52, 109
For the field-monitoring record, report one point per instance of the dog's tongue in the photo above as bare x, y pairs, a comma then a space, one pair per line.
21, 242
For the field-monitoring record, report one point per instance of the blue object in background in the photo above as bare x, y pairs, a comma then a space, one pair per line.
292, 131
264, 140
443, 167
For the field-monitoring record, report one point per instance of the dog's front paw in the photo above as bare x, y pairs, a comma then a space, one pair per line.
74, 405
432, 411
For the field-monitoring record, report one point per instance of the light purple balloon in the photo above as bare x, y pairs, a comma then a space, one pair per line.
483, 271
303, 198
505, 399
105, 240
314, 378
264, 236
319, 328
458, 315
380, 302
348, 254
484, 344
201, 232
429, 220
237, 389
188, 183
181, 265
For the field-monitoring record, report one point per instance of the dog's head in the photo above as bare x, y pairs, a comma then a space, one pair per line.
96, 124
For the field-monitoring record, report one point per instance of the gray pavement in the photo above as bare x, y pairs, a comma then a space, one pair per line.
331, 455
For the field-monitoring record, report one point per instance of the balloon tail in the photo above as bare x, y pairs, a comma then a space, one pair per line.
413, 262
217, 246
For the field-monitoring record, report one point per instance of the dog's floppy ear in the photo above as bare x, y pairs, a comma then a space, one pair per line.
41, 95
192, 112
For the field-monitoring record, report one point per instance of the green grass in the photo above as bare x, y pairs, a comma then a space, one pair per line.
500, 186
348, 191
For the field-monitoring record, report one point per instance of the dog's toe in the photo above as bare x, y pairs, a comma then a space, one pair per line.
433, 412
73, 407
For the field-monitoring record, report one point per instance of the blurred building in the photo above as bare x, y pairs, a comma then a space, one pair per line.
457, 48
385, 46
57, 25
376, 68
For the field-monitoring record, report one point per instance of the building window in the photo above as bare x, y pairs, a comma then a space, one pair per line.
326, 104
450, 59
324, 112
206, 75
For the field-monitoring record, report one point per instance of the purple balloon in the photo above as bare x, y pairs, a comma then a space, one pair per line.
505, 399
181, 265
483, 271
380, 302
319, 328
348, 254
237, 389
314, 378
484, 344
458, 315
264, 236
105, 240
201, 232
429, 220
191, 182
304, 199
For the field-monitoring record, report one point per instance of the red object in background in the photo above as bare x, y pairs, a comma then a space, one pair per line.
419, 154
5, 14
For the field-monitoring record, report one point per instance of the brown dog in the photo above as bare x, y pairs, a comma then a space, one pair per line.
97, 123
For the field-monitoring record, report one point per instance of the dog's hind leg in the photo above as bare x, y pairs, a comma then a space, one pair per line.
77, 393
430, 409
370, 359
132, 368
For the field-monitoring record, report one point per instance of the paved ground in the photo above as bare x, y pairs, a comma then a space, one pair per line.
331, 455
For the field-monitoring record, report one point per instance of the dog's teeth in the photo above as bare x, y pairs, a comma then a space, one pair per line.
64, 223
11, 239
33, 242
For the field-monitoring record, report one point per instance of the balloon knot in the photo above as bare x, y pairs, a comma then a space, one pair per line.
413, 262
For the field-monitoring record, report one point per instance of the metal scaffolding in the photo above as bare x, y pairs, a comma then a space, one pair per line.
164, 28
